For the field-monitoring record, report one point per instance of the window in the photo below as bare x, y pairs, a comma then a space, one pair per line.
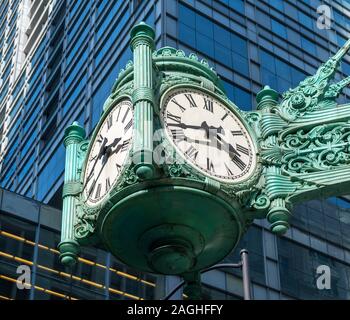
305, 20
278, 28
213, 40
51, 172
308, 46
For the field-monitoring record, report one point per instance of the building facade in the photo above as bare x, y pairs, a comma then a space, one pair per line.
59, 60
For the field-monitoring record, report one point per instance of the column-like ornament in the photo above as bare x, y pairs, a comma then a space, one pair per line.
142, 43
275, 183
69, 247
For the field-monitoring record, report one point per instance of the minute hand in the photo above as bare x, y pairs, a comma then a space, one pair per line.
231, 150
203, 126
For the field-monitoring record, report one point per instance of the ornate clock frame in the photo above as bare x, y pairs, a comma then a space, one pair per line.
143, 221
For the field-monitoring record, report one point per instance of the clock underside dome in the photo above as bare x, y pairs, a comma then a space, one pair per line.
171, 229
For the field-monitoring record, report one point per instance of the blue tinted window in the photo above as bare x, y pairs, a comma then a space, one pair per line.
267, 61
75, 94
278, 4
205, 45
187, 35
283, 70
77, 24
9, 174
108, 20
187, 16
237, 4
297, 76
242, 99
109, 41
204, 26
102, 92
77, 45
77, 68
341, 40
222, 36
346, 68
228, 89
238, 45
240, 64
278, 28
51, 172
32, 136
28, 164
308, 45
223, 55
305, 20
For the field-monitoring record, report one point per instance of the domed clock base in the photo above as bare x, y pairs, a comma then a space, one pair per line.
171, 230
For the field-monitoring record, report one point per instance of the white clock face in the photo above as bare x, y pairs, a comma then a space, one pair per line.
108, 153
209, 135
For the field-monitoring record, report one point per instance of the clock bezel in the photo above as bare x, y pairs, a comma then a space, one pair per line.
231, 107
104, 115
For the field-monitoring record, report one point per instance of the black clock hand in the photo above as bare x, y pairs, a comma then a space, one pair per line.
232, 151
207, 129
106, 155
98, 157
203, 126
112, 145
109, 151
104, 161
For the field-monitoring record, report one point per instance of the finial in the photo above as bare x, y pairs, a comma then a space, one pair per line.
142, 30
267, 93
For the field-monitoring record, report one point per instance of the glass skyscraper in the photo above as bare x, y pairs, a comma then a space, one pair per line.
59, 60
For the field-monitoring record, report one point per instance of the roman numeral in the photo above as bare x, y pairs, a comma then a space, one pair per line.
228, 170
118, 113
178, 134
209, 105
108, 184
125, 145
93, 158
98, 190
179, 105
237, 133
91, 190
110, 121
191, 100
238, 162
128, 126
89, 177
126, 114
210, 165
173, 117
99, 139
242, 149
224, 117
192, 153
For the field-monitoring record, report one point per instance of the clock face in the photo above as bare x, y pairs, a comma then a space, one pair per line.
108, 153
208, 135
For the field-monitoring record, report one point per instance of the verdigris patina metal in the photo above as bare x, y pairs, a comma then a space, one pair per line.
159, 205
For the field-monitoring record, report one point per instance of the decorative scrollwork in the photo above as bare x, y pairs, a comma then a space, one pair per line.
128, 178
261, 202
321, 148
86, 222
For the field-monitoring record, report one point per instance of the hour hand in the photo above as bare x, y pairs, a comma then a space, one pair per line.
108, 149
231, 150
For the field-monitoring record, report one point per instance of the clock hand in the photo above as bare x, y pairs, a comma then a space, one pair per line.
98, 157
203, 126
207, 129
106, 155
232, 150
112, 145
